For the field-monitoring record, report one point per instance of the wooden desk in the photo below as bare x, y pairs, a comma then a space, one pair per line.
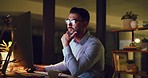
30, 75
21, 75
20, 72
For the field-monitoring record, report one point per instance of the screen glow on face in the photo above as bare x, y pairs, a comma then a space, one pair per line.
72, 21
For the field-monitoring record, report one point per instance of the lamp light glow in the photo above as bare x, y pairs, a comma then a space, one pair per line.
137, 40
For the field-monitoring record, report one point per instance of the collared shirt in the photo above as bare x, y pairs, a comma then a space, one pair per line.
84, 59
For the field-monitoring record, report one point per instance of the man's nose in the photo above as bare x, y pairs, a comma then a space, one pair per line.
70, 24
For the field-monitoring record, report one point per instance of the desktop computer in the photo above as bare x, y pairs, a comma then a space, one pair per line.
22, 47
23, 50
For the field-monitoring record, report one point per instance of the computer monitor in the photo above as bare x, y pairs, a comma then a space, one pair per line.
23, 50
22, 47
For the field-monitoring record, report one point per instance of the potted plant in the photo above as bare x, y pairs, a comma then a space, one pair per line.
144, 43
129, 15
131, 66
129, 20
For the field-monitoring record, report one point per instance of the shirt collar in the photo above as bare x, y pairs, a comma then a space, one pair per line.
84, 38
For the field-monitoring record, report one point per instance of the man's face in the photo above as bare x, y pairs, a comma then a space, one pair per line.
75, 23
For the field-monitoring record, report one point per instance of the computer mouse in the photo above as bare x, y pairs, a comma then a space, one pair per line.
30, 70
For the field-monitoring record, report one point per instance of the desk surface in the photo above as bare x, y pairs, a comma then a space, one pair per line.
19, 74
22, 75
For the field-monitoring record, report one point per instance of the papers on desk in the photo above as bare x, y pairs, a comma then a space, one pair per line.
30, 74
59, 75
65, 75
40, 72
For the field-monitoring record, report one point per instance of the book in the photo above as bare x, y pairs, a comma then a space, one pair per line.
120, 61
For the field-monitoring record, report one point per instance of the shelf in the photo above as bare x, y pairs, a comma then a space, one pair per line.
127, 30
120, 56
140, 73
120, 51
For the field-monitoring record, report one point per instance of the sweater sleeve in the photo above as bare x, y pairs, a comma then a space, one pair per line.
89, 57
59, 66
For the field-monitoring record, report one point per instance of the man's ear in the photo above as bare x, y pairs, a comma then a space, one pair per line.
86, 23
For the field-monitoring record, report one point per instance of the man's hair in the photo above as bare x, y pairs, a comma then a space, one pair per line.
84, 14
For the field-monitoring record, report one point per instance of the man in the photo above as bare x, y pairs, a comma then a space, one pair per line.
83, 53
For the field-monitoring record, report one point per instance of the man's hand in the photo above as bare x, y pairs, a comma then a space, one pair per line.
66, 38
39, 68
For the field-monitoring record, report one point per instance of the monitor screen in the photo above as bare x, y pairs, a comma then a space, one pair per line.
23, 50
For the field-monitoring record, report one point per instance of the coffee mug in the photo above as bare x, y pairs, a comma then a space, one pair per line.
53, 73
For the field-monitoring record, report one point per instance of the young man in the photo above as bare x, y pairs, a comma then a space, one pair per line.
83, 53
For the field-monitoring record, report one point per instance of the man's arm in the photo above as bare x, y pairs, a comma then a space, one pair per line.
59, 66
92, 54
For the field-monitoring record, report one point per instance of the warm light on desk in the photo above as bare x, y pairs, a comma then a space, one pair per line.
5, 53
10, 65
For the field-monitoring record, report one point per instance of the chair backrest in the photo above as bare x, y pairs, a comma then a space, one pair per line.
109, 71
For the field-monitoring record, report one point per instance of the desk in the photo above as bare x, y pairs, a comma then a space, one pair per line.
20, 72
31, 75
21, 75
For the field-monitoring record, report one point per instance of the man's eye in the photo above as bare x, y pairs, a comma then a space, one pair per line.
73, 21
67, 21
